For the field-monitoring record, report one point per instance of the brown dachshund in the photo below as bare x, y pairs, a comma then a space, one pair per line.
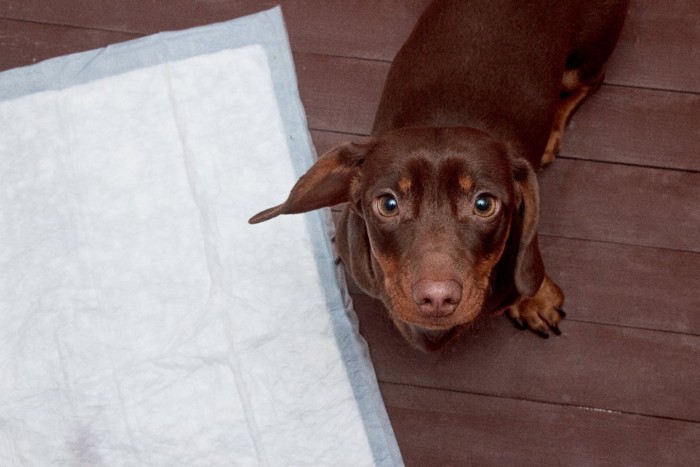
441, 212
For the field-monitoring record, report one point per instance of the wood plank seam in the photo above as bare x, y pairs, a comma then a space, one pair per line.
537, 401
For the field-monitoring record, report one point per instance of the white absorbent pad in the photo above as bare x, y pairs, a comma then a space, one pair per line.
142, 320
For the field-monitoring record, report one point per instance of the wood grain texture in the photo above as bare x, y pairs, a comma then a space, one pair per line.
621, 204
637, 126
327, 27
622, 285
437, 427
657, 49
340, 94
23, 43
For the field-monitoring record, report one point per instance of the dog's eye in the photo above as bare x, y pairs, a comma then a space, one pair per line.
485, 206
387, 205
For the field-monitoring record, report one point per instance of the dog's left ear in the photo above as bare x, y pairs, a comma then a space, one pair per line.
326, 183
529, 268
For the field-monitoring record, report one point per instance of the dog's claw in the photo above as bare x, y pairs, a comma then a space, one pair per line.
519, 323
541, 313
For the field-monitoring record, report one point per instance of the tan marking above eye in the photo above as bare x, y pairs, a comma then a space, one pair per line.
405, 185
466, 183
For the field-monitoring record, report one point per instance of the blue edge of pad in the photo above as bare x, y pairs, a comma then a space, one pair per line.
268, 30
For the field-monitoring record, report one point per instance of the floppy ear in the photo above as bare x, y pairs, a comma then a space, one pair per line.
326, 183
529, 269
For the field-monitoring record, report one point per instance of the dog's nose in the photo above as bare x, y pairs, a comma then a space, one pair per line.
437, 298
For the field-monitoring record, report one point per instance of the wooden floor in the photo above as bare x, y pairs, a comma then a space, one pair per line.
620, 232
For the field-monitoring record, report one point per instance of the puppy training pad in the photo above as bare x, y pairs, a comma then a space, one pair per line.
144, 322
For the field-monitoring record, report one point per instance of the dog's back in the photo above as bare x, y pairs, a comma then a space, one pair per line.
497, 66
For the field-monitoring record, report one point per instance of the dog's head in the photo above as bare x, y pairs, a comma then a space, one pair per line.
440, 224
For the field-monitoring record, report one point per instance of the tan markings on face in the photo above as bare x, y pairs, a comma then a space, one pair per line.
466, 183
482, 271
396, 285
405, 186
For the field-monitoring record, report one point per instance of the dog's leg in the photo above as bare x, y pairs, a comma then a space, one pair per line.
573, 91
541, 313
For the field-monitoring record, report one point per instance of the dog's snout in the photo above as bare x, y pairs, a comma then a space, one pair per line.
437, 298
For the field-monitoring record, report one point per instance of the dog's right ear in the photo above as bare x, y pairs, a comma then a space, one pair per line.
326, 183
529, 269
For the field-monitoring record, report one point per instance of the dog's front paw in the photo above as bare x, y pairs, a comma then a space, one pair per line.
541, 313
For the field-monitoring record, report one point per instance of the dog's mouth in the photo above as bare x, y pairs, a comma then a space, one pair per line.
428, 340
431, 333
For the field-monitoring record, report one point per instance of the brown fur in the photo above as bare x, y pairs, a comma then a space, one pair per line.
442, 206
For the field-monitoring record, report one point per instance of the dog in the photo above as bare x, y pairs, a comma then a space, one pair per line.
440, 203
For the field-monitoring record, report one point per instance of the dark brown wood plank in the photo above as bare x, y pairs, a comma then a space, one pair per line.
340, 94
608, 283
658, 47
327, 140
446, 428
621, 204
364, 29
23, 43
130, 16
637, 126
353, 28
604, 367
